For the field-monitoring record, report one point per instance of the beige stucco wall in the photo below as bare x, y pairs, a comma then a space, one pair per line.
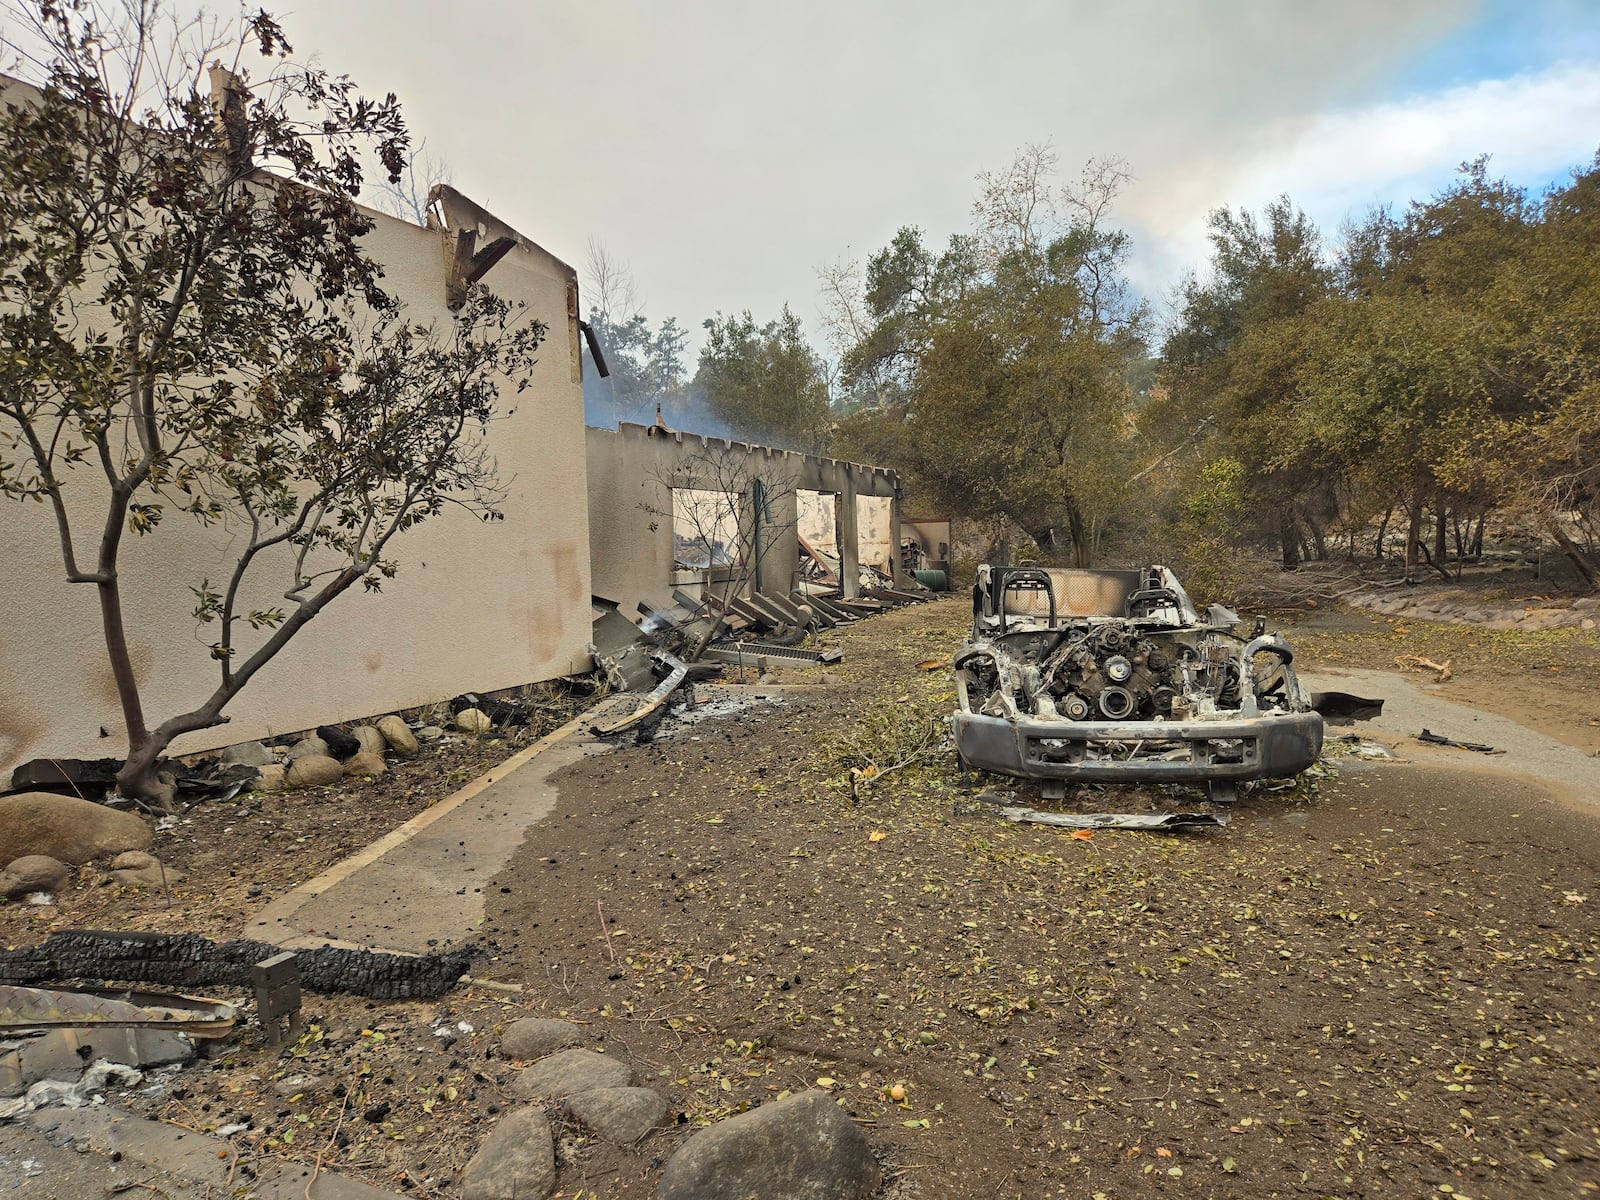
633, 467
475, 606
819, 523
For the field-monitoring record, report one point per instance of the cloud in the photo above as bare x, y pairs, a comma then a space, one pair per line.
1535, 127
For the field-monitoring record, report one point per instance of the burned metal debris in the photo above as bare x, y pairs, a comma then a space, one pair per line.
1438, 739
1144, 821
1113, 676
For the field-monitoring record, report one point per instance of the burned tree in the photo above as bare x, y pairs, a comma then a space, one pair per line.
192, 325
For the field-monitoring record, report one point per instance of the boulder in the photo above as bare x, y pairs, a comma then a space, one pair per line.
571, 1072
621, 1115
246, 754
372, 742
308, 746
340, 744
536, 1037
314, 770
270, 778
67, 828
155, 875
399, 736
799, 1148
134, 860
474, 721
517, 1161
364, 762
33, 873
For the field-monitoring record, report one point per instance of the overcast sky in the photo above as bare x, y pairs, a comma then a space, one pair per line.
724, 149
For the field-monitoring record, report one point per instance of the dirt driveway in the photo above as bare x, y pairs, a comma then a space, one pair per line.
1385, 986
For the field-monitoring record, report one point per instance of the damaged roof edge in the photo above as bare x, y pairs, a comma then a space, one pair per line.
449, 212
632, 428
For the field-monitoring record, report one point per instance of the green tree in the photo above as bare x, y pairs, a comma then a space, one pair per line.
765, 382
191, 324
1544, 455
1230, 363
1002, 366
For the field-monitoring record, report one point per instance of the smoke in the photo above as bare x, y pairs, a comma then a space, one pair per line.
614, 399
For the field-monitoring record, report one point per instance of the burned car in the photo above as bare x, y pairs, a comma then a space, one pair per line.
1114, 677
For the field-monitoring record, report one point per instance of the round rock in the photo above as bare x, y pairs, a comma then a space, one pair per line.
799, 1148
536, 1037
364, 762
269, 778
571, 1072
472, 720
399, 736
247, 754
153, 876
372, 742
134, 860
33, 873
67, 828
314, 770
621, 1115
307, 747
517, 1161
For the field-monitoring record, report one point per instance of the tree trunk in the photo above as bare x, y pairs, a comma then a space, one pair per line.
1082, 552
1477, 536
1319, 541
1288, 539
1413, 540
1590, 573
1439, 530
1383, 532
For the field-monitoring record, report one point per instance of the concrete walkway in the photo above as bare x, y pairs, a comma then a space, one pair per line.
88, 1153
1410, 708
420, 888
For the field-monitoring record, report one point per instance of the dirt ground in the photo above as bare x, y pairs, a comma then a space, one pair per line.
1380, 983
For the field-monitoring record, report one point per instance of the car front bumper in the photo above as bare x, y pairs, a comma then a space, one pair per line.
1237, 749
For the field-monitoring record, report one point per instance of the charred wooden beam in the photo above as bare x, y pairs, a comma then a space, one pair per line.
185, 960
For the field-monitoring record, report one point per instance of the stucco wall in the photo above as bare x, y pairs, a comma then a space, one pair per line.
475, 606
633, 467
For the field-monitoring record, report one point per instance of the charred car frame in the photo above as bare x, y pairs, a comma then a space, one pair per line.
1114, 677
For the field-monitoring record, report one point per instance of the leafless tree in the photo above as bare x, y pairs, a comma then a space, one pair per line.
407, 197
732, 505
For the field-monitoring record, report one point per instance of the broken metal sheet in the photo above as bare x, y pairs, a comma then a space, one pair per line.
1437, 739
746, 654
25, 1009
1344, 707
677, 674
823, 606
1141, 821
898, 595
49, 1092
622, 655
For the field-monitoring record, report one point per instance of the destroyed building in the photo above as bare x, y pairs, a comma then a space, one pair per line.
475, 606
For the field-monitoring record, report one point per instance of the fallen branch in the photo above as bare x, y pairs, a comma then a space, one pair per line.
1417, 662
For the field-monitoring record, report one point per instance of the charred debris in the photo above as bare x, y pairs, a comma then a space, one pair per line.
656, 655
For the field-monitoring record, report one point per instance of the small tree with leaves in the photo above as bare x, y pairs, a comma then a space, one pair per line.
192, 325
